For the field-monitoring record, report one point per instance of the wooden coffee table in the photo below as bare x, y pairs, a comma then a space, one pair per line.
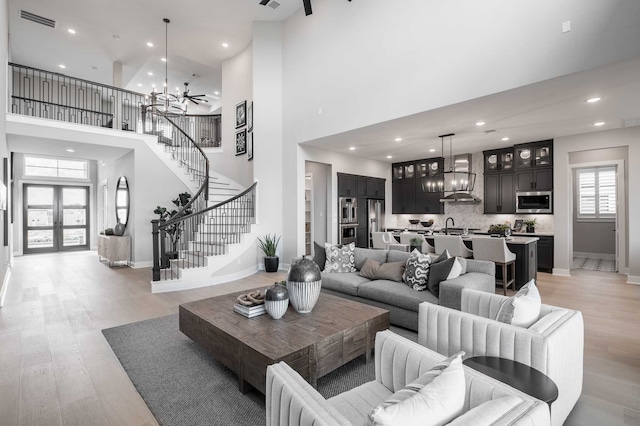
314, 344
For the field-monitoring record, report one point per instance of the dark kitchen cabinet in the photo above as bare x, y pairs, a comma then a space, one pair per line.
403, 197
545, 254
499, 193
407, 194
498, 160
361, 236
534, 180
429, 167
428, 202
534, 154
362, 186
347, 185
375, 188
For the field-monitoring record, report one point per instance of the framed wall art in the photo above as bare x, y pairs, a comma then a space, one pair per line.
241, 142
250, 117
241, 114
250, 146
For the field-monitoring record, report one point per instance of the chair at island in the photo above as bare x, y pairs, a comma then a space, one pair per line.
381, 240
406, 237
553, 345
452, 243
290, 400
495, 250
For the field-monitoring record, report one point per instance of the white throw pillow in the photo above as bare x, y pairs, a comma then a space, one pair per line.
437, 403
488, 413
523, 308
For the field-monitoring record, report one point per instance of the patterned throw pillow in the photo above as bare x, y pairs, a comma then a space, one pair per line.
523, 308
416, 270
340, 259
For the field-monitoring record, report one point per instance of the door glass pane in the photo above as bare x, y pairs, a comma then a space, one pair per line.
40, 238
39, 196
74, 217
74, 197
73, 237
40, 217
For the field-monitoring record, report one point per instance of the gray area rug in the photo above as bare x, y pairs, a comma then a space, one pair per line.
588, 264
183, 385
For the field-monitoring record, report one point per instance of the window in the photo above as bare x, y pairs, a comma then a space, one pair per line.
597, 193
57, 168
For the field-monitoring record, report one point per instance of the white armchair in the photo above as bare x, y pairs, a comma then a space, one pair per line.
553, 345
290, 400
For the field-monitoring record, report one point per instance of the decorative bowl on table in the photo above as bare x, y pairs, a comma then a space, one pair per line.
427, 224
414, 221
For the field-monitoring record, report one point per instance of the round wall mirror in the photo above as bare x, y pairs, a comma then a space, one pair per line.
122, 200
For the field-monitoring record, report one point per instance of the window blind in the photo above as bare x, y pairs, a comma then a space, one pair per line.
597, 193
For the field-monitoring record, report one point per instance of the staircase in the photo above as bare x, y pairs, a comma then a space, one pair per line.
220, 231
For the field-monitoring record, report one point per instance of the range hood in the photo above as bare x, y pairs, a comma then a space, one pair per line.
461, 164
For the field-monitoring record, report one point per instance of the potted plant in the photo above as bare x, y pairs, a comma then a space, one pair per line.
415, 244
531, 225
269, 245
174, 231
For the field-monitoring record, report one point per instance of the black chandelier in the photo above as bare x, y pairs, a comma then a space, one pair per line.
458, 179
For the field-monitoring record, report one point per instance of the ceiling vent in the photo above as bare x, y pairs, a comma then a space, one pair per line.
630, 122
274, 4
37, 19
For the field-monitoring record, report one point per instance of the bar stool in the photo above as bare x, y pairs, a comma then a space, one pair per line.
496, 250
452, 243
406, 237
381, 240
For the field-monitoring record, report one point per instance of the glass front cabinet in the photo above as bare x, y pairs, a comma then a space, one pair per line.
535, 154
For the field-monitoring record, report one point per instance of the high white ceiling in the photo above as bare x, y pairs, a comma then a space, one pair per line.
195, 36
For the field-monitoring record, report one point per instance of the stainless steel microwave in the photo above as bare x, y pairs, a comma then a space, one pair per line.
534, 202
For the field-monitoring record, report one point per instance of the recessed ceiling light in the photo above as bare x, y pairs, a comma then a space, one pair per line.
71, 31
593, 100
505, 139
163, 59
398, 139
62, 66
71, 150
225, 45
216, 93
139, 84
432, 150
480, 123
149, 44
352, 148
149, 73
389, 156
598, 123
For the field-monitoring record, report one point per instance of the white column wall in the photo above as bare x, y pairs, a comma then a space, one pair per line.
629, 137
268, 162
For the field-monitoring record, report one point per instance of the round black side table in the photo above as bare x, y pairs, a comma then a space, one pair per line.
517, 375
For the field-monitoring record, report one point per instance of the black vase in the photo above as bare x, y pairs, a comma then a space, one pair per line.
531, 229
271, 263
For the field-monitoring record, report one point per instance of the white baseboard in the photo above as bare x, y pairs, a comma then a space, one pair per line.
562, 272
5, 283
145, 264
631, 279
604, 256
178, 285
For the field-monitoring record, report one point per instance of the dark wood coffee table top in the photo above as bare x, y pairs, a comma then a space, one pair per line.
517, 375
335, 332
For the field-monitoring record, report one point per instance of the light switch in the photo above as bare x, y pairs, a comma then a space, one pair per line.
566, 27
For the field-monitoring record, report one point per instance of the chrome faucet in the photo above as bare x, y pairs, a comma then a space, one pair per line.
446, 225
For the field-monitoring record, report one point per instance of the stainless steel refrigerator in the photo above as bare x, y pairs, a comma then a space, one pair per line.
375, 218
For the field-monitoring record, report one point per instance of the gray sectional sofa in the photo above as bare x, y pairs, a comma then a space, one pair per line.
398, 298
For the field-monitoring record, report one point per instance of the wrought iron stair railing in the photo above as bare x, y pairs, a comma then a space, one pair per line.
186, 241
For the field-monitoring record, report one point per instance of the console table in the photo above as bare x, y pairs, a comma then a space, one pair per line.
114, 249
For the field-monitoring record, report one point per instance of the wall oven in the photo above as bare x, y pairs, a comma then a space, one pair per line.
534, 202
348, 210
347, 233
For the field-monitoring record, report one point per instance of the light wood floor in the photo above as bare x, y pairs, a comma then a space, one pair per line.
57, 369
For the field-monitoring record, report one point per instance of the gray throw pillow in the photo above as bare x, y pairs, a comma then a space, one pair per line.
375, 270
319, 255
417, 270
442, 271
339, 259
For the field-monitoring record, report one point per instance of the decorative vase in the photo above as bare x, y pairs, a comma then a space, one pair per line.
304, 283
271, 263
531, 229
276, 301
118, 229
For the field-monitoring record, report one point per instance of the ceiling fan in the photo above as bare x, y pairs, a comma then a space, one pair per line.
306, 3
193, 98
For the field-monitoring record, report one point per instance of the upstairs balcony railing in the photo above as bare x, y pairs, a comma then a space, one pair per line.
55, 96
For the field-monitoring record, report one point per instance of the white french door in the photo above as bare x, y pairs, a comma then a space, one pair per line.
55, 218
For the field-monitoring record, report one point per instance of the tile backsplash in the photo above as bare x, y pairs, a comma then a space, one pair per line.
471, 215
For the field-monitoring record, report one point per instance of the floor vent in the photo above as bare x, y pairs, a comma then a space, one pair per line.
37, 19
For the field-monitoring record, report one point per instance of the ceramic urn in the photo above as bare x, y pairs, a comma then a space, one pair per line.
304, 283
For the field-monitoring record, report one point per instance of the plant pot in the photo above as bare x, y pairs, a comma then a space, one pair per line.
531, 228
271, 263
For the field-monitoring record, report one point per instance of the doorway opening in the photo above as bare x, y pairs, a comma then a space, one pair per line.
55, 218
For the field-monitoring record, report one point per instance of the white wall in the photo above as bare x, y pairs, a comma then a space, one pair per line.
366, 62
321, 182
5, 252
628, 138
237, 86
